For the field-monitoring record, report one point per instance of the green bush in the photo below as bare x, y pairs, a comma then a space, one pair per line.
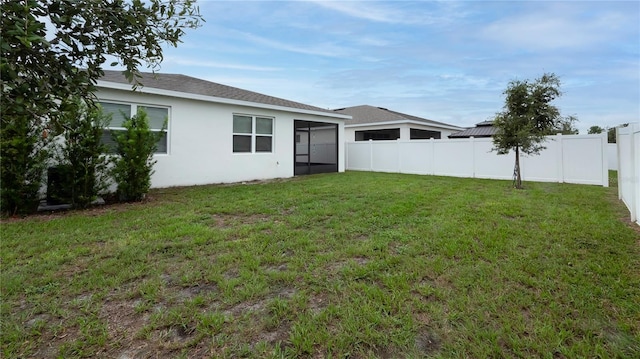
81, 156
133, 163
23, 158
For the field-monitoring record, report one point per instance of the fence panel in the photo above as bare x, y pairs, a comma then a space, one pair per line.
628, 145
414, 158
572, 159
386, 155
488, 164
578, 155
452, 158
359, 156
546, 166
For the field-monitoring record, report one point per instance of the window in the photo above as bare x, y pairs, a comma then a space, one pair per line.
417, 134
252, 134
119, 111
378, 135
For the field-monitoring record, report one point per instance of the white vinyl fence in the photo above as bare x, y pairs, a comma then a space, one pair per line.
628, 141
571, 159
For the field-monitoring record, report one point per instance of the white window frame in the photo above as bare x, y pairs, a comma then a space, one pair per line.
254, 135
134, 110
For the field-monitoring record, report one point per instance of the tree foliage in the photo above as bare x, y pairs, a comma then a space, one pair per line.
611, 135
133, 163
42, 69
52, 52
527, 117
594, 130
611, 132
566, 126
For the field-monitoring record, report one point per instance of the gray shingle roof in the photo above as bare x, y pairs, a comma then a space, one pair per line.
482, 129
371, 114
192, 85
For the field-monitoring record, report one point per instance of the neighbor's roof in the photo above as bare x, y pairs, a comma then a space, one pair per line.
482, 129
191, 85
485, 123
366, 114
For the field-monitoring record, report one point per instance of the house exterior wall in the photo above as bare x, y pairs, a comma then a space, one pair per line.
200, 141
405, 130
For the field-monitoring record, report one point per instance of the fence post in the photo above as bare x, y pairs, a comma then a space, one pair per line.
634, 181
473, 156
560, 167
399, 156
619, 163
605, 159
433, 156
346, 155
370, 155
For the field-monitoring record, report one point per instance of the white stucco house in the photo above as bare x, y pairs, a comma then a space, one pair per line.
221, 134
377, 123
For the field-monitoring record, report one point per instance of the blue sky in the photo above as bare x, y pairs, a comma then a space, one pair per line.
447, 61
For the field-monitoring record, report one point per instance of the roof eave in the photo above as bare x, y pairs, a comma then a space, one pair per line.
190, 96
469, 136
384, 123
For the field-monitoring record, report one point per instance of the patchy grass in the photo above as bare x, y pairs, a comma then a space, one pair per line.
341, 265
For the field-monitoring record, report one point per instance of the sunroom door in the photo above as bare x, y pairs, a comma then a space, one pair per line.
316, 147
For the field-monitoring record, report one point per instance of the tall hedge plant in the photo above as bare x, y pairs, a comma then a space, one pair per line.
24, 156
82, 160
133, 163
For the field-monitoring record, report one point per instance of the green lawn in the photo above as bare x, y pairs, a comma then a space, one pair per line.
357, 265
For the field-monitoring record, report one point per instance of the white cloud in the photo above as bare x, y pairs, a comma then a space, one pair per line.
448, 61
391, 13
327, 49
360, 10
214, 64
554, 29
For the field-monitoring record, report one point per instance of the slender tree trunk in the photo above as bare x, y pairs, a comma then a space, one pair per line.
517, 169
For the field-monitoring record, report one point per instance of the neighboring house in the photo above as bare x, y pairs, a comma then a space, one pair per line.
377, 123
216, 133
482, 129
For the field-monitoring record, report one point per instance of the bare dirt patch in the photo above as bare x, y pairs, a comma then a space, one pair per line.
427, 343
338, 265
361, 238
279, 268
423, 318
283, 293
175, 336
627, 220
122, 319
318, 302
260, 305
52, 340
93, 211
228, 220
190, 292
276, 335
246, 307
231, 273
